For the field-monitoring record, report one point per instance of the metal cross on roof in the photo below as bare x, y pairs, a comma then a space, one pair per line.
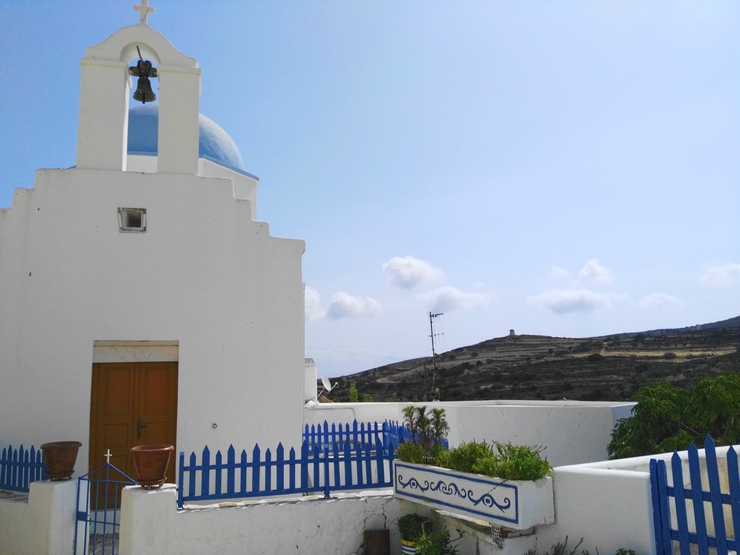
144, 11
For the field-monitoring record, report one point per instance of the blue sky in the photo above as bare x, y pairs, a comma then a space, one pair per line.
560, 168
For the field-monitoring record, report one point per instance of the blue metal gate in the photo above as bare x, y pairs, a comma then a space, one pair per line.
98, 510
690, 515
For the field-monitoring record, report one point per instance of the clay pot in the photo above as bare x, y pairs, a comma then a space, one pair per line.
151, 462
60, 458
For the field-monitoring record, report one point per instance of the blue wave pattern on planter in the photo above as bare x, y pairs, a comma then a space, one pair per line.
452, 489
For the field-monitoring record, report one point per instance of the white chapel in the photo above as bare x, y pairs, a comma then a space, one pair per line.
140, 299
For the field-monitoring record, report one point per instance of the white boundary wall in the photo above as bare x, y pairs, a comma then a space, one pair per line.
151, 524
609, 504
572, 432
44, 525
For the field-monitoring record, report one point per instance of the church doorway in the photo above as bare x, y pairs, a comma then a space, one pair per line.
133, 403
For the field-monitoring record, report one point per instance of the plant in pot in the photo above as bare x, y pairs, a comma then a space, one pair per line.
151, 462
60, 458
411, 527
440, 543
503, 483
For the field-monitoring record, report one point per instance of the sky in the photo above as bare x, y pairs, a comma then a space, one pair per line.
563, 168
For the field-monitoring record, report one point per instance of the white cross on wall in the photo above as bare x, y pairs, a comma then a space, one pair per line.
107, 456
144, 11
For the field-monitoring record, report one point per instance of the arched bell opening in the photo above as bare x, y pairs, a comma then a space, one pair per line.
110, 85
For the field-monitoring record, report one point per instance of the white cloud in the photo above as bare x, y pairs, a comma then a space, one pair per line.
658, 301
563, 301
344, 305
407, 272
556, 272
721, 275
450, 298
312, 304
593, 272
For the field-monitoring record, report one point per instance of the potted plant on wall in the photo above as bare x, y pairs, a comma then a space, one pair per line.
151, 462
60, 458
500, 482
412, 527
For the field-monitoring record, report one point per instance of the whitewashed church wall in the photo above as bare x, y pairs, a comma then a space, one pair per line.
44, 525
245, 187
203, 274
309, 381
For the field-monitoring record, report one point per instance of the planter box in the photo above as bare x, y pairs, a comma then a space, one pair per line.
513, 504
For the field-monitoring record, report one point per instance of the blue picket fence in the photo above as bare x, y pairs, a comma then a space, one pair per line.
19, 467
680, 513
331, 458
388, 434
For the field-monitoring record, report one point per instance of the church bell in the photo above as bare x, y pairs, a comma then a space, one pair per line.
144, 92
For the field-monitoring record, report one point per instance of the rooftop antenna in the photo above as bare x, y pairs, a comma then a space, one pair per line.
434, 393
327, 386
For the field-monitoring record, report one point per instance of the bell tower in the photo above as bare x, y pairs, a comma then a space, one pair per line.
104, 100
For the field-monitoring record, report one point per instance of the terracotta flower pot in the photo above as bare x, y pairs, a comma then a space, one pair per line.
151, 462
60, 458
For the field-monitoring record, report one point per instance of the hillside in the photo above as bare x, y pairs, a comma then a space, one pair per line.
609, 368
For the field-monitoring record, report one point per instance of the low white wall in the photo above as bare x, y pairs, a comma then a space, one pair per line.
572, 432
609, 503
44, 525
151, 524
609, 509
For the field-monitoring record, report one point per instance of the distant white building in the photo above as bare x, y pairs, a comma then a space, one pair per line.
512, 333
140, 300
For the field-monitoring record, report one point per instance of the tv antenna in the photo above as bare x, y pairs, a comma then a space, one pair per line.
434, 393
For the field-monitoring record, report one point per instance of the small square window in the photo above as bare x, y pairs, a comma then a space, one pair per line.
131, 219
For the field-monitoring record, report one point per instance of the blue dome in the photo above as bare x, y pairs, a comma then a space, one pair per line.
214, 144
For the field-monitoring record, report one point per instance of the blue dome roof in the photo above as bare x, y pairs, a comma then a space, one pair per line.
215, 144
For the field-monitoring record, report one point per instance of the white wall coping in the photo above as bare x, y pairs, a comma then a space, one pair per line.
637, 464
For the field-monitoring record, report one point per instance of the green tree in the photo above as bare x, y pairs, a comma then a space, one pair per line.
367, 398
439, 424
666, 418
354, 396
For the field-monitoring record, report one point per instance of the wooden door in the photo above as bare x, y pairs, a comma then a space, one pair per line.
133, 403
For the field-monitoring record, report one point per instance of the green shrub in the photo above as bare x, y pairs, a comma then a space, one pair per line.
411, 452
463, 457
514, 462
438, 544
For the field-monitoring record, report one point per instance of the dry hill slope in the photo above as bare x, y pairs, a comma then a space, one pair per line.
609, 368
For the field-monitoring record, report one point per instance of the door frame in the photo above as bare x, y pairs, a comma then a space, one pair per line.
105, 351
